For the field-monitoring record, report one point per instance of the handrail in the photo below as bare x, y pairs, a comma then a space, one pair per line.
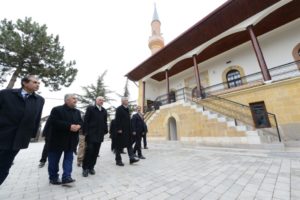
164, 99
281, 72
257, 77
235, 110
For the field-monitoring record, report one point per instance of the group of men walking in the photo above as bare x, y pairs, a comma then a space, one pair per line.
20, 114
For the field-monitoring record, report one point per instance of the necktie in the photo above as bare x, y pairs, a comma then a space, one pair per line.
26, 96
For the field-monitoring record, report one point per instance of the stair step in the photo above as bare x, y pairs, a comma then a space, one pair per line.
222, 119
230, 123
241, 128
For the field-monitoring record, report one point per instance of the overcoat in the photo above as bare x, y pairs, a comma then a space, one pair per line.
95, 124
19, 118
138, 124
122, 122
61, 137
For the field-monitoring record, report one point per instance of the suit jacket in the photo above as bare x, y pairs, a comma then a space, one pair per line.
122, 122
61, 119
19, 118
95, 124
138, 124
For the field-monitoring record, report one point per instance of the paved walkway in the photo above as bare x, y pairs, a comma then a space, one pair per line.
169, 172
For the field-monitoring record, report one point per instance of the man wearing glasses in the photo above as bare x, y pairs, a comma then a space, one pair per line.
20, 115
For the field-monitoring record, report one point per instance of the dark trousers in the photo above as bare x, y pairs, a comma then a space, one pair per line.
53, 161
6, 159
90, 156
45, 152
144, 140
119, 150
138, 146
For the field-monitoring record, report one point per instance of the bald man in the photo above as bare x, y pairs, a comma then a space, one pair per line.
94, 129
123, 136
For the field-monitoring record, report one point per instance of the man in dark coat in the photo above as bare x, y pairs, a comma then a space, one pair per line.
123, 135
20, 115
138, 130
144, 137
94, 129
65, 125
112, 134
46, 134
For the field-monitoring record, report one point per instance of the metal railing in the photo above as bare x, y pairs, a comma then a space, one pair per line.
239, 113
281, 72
164, 99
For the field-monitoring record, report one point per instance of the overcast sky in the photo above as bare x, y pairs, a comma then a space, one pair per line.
106, 35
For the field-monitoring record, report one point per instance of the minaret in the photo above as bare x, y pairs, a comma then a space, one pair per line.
156, 41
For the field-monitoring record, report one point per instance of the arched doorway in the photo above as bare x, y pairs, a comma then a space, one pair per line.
172, 128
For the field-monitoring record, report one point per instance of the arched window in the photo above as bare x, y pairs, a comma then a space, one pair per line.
296, 54
233, 78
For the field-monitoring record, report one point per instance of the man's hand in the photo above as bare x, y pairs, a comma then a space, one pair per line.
119, 131
133, 133
75, 127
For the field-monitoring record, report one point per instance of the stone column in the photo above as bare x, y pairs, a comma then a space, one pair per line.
259, 55
144, 94
197, 77
167, 84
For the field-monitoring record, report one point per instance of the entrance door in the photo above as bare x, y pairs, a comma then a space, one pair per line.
172, 129
260, 115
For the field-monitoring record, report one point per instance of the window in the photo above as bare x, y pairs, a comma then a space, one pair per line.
233, 78
296, 54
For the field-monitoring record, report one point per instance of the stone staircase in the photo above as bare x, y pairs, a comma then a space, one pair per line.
208, 127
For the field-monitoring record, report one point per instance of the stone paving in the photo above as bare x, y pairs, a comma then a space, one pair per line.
171, 171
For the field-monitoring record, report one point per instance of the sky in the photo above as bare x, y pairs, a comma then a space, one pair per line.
104, 35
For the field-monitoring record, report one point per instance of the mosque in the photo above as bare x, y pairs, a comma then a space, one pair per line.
232, 79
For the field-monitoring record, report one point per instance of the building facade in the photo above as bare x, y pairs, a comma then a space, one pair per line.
232, 78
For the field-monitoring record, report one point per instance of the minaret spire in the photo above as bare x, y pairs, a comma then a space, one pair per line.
155, 14
156, 41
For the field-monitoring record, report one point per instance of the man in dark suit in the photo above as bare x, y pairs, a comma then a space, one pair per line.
94, 129
65, 122
123, 136
46, 134
20, 115
138, 130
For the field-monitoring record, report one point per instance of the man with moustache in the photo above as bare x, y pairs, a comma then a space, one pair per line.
65, 122
20, 115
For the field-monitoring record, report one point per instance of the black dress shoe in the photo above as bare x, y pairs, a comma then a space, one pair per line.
55, 182
67, 181
142, 157
133, 160
85, 173
92, 171
145, 147
42, 164
120, 163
